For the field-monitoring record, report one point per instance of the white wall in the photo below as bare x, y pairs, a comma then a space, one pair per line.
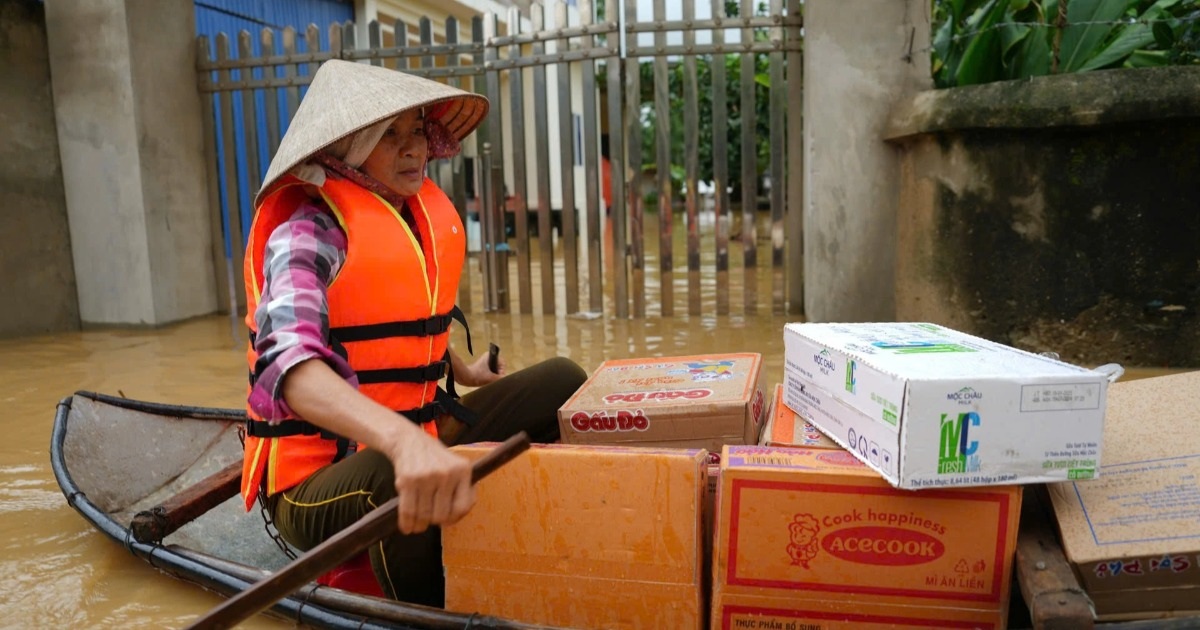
130, 139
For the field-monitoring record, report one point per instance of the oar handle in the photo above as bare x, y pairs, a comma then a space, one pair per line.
370, 529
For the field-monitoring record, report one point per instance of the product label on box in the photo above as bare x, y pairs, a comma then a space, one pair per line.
948, 545
876, 444
1141, 502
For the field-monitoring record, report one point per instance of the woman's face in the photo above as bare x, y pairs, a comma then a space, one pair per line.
398, 160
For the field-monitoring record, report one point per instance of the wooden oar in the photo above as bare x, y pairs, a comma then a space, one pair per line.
369, 530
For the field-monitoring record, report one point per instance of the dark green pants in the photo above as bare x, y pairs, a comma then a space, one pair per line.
409, 568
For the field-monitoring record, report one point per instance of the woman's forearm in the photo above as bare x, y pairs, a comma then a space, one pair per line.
319, 395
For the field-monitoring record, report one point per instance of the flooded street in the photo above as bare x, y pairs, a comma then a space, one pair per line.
63, 573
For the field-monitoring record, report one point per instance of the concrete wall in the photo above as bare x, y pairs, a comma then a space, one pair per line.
130, 137
38, 282
857, 67
1058, 214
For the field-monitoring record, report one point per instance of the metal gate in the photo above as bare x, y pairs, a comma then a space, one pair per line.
669, 89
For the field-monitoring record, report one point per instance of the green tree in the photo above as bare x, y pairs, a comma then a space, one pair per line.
733, 113
979, 41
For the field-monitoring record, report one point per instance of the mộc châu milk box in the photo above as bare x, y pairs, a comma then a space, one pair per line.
812, 536
928, 406
703, 401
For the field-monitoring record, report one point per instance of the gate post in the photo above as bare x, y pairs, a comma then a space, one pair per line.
861, 57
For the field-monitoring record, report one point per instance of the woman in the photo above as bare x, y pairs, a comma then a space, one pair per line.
352, 268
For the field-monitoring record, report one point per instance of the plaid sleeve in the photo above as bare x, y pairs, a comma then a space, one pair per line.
302, 257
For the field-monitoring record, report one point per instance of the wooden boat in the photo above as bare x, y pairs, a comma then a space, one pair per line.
169, 475
132, 467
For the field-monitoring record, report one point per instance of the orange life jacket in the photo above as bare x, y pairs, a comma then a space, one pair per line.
390, 309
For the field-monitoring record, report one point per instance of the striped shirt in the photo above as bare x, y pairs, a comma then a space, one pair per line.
303, 255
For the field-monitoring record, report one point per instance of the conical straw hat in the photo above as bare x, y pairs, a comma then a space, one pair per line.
345, 97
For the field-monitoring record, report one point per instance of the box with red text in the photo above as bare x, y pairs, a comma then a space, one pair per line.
703, 401
815, 536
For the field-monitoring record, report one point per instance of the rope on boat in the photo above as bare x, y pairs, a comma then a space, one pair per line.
470, 621
73, 497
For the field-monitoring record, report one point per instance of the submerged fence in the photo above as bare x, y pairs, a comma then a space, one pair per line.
674, 103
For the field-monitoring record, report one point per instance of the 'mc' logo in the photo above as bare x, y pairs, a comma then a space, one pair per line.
956, 450
885, 546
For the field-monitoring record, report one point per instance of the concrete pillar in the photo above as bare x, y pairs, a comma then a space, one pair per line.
131, 141
861, 58
38, 282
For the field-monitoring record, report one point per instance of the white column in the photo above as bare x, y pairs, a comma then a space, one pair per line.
130, 137
857, 66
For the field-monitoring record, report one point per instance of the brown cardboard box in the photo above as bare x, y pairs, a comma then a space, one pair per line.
814, 536
583, 537
680, 402
1133, 535
785, 427
746, 612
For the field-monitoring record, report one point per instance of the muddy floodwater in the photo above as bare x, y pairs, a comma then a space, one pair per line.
59, 572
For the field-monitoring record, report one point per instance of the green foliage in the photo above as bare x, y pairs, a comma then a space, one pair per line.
978, 41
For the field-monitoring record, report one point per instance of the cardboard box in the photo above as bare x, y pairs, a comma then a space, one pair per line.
815, 536
583, 537
947, 408
785, 427
679, 402
1133, 535
744, 612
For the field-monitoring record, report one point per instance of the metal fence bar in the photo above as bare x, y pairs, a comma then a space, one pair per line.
375, 41
400, 30
520, 197
691, 163
633, 171
250, 122
720, 152
590, 130
566, 155
749, 173
232, 202
613, 68
426, 26
777, 126
221, 264
662, 169
491, 212
541, 174
458, 178
270, 95
290, 71
795, 167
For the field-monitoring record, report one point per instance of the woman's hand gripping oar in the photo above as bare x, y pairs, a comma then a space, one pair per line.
372, 528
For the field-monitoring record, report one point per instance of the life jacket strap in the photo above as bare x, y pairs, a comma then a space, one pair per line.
422, 374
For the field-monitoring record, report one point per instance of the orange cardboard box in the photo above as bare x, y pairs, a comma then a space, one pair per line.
785, 427
1133, 534
680, 402
800, 528
584, 537
746, 612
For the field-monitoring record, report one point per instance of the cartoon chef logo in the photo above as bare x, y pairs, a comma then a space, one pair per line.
704, 371
803, 546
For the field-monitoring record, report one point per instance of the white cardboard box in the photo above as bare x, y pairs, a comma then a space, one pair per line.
927, 406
